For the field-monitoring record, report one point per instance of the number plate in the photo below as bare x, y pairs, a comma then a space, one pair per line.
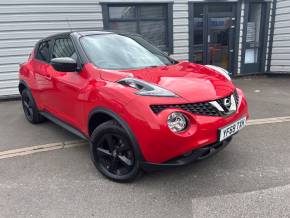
232, 129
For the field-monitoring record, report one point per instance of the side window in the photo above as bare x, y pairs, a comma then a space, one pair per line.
43, 51
64, 48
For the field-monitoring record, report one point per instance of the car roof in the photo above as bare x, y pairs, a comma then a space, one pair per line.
87, 33
92, 32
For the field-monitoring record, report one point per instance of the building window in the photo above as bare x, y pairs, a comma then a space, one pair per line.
152, 21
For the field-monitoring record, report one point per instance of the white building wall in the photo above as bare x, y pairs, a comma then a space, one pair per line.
280, 61
24, 22
180, 29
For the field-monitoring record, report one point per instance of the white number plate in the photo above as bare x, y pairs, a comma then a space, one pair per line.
232, 129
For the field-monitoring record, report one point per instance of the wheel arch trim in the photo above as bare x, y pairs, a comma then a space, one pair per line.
22, 82
122, 123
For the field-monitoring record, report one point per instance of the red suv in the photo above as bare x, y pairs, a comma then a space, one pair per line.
138, 108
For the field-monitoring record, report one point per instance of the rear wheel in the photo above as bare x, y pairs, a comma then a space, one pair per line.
113, 154
30, 109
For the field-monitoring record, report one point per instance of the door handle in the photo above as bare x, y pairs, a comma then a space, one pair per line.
47, 76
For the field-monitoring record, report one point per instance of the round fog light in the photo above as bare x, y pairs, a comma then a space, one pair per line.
176, 122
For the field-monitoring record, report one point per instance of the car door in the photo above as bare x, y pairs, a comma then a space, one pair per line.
65, 99
42, 71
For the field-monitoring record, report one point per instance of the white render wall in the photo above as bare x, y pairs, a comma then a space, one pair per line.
24, 22
280, 61
180, 29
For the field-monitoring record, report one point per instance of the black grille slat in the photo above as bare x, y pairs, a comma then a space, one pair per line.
201, 108
236, 96
196, 108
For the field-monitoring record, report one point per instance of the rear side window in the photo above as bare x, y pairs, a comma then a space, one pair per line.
43, 51
64, 48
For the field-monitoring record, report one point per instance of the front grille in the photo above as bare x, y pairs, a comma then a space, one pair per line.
204, 108
201, 108
236, 96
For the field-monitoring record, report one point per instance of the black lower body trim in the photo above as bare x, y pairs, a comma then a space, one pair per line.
198, 154
63, 125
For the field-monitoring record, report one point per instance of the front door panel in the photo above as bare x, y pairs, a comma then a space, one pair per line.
65, 97
67, 88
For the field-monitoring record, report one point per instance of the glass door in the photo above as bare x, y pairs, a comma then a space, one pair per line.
199, 34
213, 34
219, 41
253, 39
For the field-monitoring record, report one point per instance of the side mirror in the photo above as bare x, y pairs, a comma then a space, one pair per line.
65, 64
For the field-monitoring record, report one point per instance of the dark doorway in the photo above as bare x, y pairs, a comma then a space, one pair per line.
213, 34
253, 55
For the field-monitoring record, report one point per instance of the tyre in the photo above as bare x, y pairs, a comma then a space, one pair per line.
29, 107
113, 154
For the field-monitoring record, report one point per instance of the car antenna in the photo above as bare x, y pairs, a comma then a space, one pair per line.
68, 23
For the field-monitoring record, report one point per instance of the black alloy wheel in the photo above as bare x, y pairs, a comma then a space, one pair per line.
114, 155
27, 107
112, 152
30, 109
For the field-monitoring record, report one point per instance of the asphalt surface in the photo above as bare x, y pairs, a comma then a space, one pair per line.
250, 178
16, 132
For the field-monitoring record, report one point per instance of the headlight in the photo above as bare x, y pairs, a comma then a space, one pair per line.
145, 88
222, 71
176, 122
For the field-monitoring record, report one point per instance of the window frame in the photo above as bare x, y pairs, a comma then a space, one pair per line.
167, 19
59, 38
79, 60
49, 50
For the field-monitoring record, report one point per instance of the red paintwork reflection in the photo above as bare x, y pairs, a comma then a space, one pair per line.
72, 96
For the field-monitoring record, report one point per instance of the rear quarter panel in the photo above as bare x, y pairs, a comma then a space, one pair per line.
27, 75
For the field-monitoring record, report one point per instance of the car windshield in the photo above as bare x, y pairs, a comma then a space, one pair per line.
113, 51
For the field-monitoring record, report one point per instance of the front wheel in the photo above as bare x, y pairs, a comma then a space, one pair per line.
112, 152
30, 109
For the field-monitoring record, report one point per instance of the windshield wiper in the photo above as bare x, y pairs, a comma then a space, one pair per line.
153, 66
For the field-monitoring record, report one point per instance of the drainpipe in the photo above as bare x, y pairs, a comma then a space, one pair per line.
273, 16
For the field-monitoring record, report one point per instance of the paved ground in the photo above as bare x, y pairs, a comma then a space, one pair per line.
16, 132
250, 178
267, 97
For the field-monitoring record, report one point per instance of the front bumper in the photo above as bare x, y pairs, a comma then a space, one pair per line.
185, 159
158, 144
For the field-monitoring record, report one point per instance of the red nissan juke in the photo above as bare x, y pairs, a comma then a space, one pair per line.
138, 108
